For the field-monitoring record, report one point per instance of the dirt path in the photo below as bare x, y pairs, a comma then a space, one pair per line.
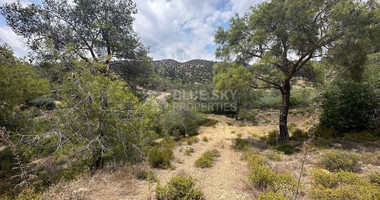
227, 178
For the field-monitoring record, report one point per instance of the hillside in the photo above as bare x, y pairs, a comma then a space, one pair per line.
194, 70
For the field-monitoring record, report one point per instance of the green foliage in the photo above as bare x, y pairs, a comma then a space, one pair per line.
286, 148
160, 155
239, 135
192, 140
325, 178
273, 137
43, 102
240, 144
342, 185
29, 194
261, 176
273, 156
364, 136
207, 159
210, 122
179, 187
189, 151
181, 122
253, 159
19, 84
285, 183
344, 191
272, 196
205, 139
347, 107
73, 26
299, 135
334, 160
374, 177
147, 175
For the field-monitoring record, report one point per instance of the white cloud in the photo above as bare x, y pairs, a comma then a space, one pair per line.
16, 42
184, 30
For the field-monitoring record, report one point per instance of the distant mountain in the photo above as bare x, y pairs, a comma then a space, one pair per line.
191, 71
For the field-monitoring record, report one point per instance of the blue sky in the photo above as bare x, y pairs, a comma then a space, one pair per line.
175, 29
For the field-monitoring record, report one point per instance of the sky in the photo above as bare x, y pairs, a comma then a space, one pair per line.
172, 29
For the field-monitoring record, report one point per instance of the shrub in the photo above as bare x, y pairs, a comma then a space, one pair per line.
272, 196
334, 160
325, 178
233, 132
43, 102
273, 156
29, 194
207, 158
205, 139
179, 187
346, 106
210, 122
348, 177
364, 136
239, 135
374, 177
189, 151
240, 143
255, 135
345, 191
299, 135
261, 176
181, 122
147, 175
253, 159
285, 183
160, 156
286, 148
273, 137
192, 140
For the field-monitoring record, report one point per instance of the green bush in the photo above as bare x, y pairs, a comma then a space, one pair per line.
273, 137
272, 196
325, 178
253, 159
261, 176
286, 148
240, 143
179, 187
181, 122
334, 160
239, 135
189, 151
346, 106
374, 177
147, 175
205, 139
207, 159
273, 156
192, 140
364, 136
160, 156
285, 183
346, 191
299, 135
209, 122
43, 102
348, 177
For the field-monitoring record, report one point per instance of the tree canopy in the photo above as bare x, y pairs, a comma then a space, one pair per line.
91, 29
282, 37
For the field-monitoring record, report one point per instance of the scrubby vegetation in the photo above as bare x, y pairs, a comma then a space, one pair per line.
179, 187
207, 159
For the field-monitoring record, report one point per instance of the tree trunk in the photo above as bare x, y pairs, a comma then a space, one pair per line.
237, 109
284, 134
